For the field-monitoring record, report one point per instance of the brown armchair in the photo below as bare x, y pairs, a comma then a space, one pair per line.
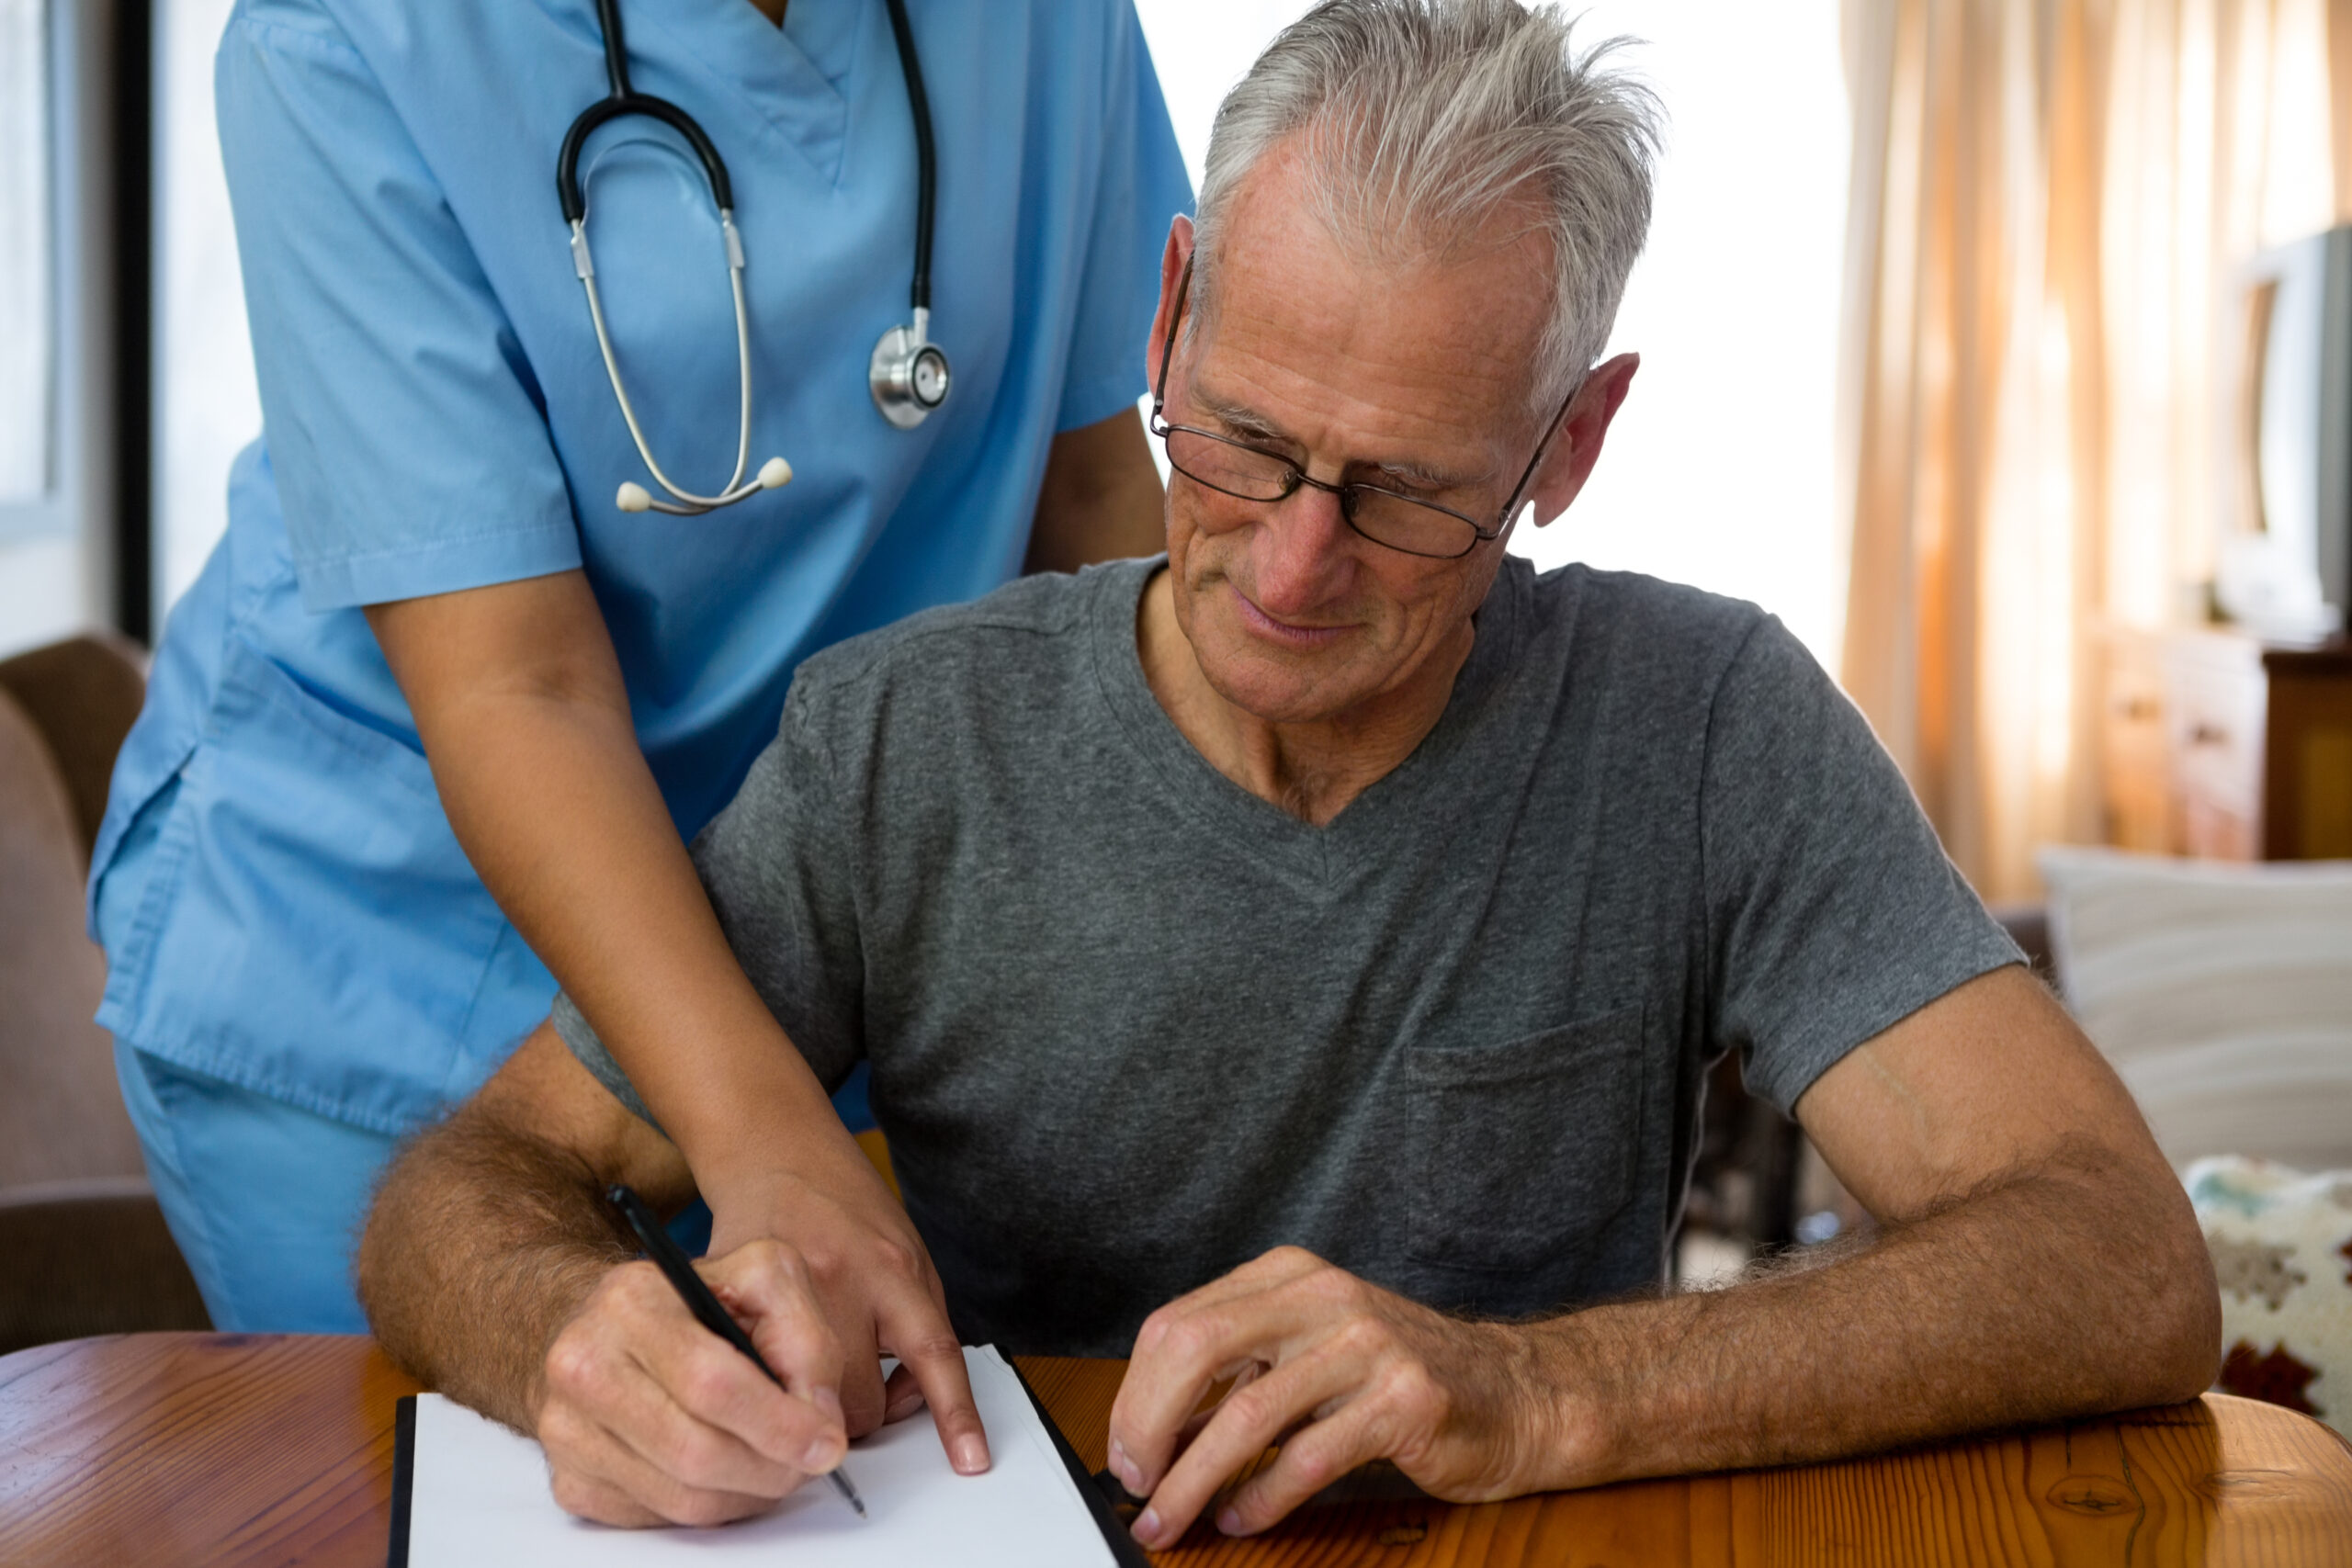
86, 1243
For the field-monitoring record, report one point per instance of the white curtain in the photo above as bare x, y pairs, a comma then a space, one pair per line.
2049, 202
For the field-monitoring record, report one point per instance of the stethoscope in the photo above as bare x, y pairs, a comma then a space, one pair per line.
908, 374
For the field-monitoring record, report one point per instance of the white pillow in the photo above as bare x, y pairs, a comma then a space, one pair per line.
2282, 1251
2222, 993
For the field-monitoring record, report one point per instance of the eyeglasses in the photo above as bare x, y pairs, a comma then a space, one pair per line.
1400, 521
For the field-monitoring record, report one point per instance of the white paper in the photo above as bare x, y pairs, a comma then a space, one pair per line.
478, 1495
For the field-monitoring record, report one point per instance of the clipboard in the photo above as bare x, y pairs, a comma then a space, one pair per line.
1123, 1548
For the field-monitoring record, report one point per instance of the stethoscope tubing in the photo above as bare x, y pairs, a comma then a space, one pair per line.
902, 33
909, 376
735, 489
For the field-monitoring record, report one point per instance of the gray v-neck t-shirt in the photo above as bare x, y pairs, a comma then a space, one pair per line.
1131, 1026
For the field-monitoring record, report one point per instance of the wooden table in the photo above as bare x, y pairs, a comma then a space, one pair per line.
219, 1449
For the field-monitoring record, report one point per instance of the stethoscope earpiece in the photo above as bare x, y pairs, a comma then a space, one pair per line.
908, 375
775, 474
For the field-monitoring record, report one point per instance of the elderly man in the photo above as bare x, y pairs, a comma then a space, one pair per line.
1301, 958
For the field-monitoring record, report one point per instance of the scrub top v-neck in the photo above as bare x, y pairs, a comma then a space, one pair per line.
436, 417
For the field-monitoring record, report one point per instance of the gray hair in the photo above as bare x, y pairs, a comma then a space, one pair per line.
1423, 119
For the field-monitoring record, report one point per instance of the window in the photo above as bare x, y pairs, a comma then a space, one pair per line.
27, 311
207, 407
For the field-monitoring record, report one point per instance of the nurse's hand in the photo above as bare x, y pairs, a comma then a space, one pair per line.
868, 1269
648, 1418
520, 681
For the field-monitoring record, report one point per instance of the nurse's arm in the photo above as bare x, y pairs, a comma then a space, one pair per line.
1102, 499
490, 1270
517, 694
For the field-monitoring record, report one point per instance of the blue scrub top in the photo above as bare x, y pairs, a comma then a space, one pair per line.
436, 417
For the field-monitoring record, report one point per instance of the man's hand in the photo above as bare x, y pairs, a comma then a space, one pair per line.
1340, 1372
862, 1262
520, 681
648, 1418
491, 1271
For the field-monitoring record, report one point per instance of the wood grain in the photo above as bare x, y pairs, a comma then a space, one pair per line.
174, 1449
209, 1449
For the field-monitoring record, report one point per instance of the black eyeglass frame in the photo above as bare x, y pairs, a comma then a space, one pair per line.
1347, 492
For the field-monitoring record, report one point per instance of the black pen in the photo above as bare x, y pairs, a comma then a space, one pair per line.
702, 1304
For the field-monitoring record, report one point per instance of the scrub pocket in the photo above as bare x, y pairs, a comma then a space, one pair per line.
119, 888
1521, 1150
318, 934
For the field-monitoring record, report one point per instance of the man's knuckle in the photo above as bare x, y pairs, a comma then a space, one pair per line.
698, 1456
700, 1510
1359, 1336
636, 1285
1334, 1287
692, 1505
560, 1430
574, 1366
573, 1493
1312, 1467
1254, 1408
1195, 1333
702, 1388
1414, 1392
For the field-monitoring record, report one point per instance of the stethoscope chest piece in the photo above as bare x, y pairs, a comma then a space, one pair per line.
908, 375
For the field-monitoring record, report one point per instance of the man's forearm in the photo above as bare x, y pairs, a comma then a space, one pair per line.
2047, 1296
481, 1245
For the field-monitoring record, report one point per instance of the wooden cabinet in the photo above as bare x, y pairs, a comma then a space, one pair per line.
2307, 778
2215, 745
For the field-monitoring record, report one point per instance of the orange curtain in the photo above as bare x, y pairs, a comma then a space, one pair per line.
2050, 199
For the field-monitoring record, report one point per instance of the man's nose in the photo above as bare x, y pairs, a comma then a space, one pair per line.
1302, 545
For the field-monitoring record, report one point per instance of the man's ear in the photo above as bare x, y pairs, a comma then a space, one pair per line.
1576, 445
1172, 262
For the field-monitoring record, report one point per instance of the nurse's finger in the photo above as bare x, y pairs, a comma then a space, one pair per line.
901, 1397
914, 1328
765, 1286
862, 1397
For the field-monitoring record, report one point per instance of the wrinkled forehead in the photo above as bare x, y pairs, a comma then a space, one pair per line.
1305, 306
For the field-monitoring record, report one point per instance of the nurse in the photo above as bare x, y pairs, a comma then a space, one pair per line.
431, 729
